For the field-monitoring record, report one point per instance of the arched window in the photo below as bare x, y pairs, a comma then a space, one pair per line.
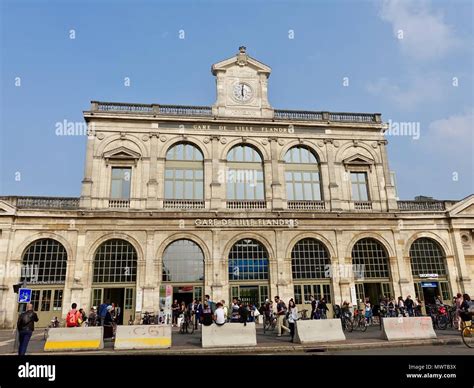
427, 257
244, 174
302, 175
370, 259
115, 261
183, 261
248, 260
310, 260
184, 173
44, 262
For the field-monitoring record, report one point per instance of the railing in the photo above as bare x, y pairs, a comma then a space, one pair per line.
119, 203
246, 205
306, 205
362, 205
44, 202
206, 111
421, 205
298, 115
182, 204
353, 117
122, 107
179, 110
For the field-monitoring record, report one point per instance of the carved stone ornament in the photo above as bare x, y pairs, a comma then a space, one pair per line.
163, 138
223, 140
206, 140
145, 137
100, 136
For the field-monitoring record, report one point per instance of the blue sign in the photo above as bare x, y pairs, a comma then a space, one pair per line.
24, 295
429, 284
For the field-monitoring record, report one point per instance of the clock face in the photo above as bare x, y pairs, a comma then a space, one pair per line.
242, 92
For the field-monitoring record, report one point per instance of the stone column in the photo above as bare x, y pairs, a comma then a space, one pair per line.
152, 184
342, 277
389, 188
401, 265
465, 281
86, 193
218, 174
277, 179
333, 186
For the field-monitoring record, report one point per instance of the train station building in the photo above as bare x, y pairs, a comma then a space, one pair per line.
237, 199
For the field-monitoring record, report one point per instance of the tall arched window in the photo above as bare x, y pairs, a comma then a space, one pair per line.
310, 260
370, 259
183, 261
371, 270
184, 173
248, 260
310, 265
427, 257
44, 262
115, 261
244, 174
428, 266
302, 175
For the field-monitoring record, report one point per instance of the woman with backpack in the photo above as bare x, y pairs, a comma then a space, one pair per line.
467, 308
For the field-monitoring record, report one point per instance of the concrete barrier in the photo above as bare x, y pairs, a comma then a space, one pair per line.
403, 328
74, 338
229, 335
143, 337
319, 330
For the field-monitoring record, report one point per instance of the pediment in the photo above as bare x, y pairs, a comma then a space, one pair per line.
463, 208
6, 208
358, 159
121, 153
241, 59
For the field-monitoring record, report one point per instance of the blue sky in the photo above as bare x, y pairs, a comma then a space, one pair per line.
410, 60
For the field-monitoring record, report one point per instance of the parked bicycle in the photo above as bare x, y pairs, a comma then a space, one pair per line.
269, 323
359, 322
187, 325
467, 333
439, 316
54, 324
149, 319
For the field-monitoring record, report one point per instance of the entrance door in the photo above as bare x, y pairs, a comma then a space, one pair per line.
183, 294
430, 291
122, 297
47, 303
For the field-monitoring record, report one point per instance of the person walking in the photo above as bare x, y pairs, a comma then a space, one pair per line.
401, 307
175, 312
457, 303
322, 308
409, 306
281, 312
25, 327
197, 313
243, 313
206, 318
314, 305
292, 317
103, 312
368, 312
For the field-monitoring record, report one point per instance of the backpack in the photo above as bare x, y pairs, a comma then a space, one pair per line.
72, 319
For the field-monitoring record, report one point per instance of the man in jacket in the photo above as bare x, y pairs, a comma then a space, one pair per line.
26, 326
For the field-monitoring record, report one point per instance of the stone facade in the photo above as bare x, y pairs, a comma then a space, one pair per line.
138, 136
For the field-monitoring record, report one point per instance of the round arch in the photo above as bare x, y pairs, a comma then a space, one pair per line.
108, 142
23, 246
194, 141
262, 151
323, 240
320, 156
382, 240
254, 236
431, 235
182, 236
113, 236
341, 154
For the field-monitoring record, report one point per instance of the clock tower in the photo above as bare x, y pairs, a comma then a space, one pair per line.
242, 87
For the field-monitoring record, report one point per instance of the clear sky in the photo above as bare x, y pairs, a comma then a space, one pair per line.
412, 61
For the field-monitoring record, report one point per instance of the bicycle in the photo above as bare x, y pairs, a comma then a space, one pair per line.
186, 326
346, 322
54, 324
270, 323
467, 333
359, 322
